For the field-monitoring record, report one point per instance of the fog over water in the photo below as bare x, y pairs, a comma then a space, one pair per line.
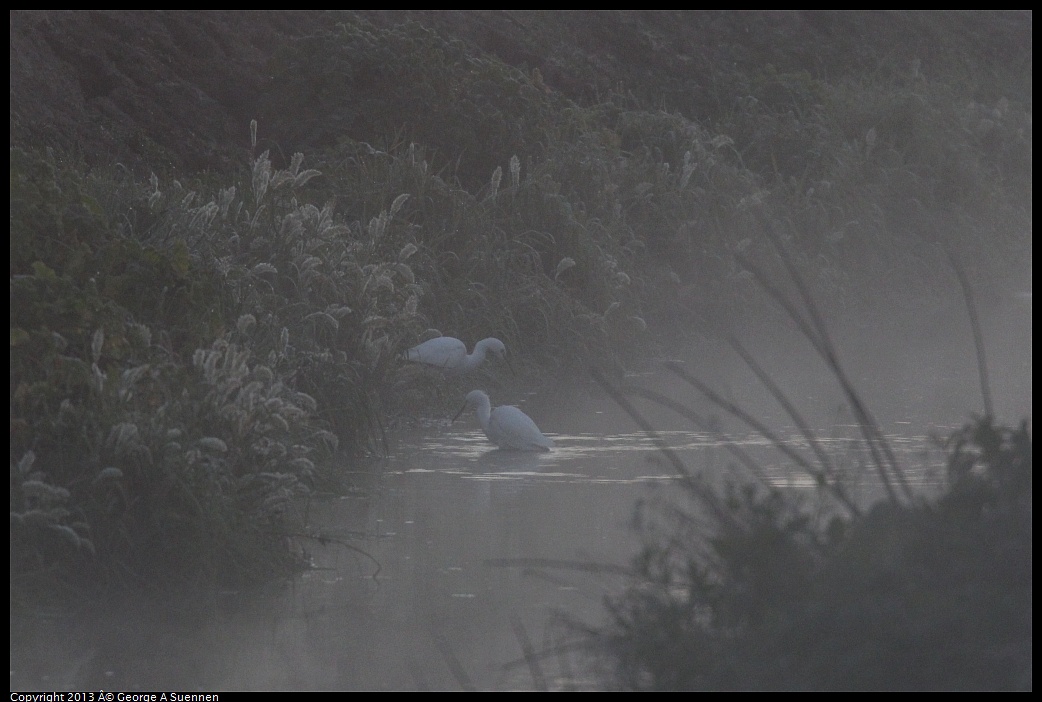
228, 228
454, 559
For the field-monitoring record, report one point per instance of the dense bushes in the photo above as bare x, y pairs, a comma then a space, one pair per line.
930, 595
188, 354
151, 446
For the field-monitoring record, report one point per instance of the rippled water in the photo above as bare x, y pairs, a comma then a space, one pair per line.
451, 562
471, 554
453, 559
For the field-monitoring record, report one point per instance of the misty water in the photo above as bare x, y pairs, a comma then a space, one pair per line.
452, 560
475, 556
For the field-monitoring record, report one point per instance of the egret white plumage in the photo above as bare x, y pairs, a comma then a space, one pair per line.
506, 426
450, 354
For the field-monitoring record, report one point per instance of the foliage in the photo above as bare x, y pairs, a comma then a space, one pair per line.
914, 594
209, 342
931, 595
874, 152
746, 588
515, 260
363, 82
161, 419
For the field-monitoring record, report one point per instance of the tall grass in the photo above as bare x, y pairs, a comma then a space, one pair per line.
153, 323
741, 588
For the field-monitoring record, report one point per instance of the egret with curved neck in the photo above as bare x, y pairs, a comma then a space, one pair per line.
506, 426
450, 354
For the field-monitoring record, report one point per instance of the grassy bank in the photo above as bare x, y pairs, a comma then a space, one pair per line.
193, 351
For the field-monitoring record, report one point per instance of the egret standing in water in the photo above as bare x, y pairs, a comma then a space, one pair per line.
450, 354
506, 426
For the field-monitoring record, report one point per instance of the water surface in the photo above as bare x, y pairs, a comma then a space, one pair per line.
454, 560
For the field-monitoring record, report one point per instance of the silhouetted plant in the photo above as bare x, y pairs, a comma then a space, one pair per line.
743, 588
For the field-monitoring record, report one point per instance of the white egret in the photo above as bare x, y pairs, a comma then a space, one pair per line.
450, 354
506, 426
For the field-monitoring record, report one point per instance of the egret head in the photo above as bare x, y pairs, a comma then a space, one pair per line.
498, 349
474, 399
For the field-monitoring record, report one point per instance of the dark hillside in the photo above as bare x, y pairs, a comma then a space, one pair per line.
178, 88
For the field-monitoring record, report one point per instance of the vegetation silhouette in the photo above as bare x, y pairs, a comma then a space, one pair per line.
906, 593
